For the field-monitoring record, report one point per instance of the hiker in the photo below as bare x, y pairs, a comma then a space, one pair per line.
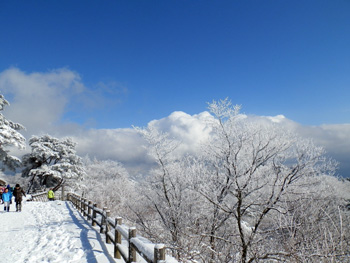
51, 195
6, 197
18, 193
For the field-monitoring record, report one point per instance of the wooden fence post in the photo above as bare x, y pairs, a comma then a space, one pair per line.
108, 240
103, 220
159, 252
117, 237
132, 251
62, 193
78, 203
93, 219
89, 208
84, 205
77, 198
81, 205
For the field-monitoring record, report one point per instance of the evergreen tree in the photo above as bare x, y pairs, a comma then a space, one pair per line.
9, 137
52, 162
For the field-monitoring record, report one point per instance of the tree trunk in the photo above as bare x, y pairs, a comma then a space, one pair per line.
60, 183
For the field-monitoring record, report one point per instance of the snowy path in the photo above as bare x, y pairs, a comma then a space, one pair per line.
49, 232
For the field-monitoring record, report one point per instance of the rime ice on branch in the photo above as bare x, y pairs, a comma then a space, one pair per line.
9, 137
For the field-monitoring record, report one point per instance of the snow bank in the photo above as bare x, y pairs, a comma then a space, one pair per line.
49, 232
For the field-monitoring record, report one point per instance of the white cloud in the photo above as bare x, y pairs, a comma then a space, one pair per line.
39, 100
127, 146
335, 139
277, 119
191, 130
123, 145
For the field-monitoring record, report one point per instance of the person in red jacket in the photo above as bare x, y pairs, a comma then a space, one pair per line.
18, 193
2, 189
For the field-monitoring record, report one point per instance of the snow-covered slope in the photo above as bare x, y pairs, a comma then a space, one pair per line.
49, 232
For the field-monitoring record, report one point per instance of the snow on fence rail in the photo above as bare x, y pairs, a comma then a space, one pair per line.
39, 197
42, 197
127, 244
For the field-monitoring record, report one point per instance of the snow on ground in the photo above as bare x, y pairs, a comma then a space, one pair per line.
49, 232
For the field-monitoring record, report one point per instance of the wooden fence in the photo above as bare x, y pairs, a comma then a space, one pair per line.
127, 244
42, 196
38, 197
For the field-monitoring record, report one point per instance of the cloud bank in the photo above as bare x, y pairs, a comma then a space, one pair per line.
39, 101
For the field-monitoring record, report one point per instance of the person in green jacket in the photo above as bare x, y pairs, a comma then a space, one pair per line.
51, 195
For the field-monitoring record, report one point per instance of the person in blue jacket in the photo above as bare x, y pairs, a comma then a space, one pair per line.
7, 197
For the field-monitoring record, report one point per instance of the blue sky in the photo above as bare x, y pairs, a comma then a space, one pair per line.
92, 69
146, 59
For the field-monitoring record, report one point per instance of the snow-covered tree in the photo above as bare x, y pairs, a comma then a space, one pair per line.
52, 162
311, 228
108, 184
247, 196
9, 137
169, 208
256, 173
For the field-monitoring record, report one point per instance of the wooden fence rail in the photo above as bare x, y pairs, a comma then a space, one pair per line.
42, 196
38, 197
127, 244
